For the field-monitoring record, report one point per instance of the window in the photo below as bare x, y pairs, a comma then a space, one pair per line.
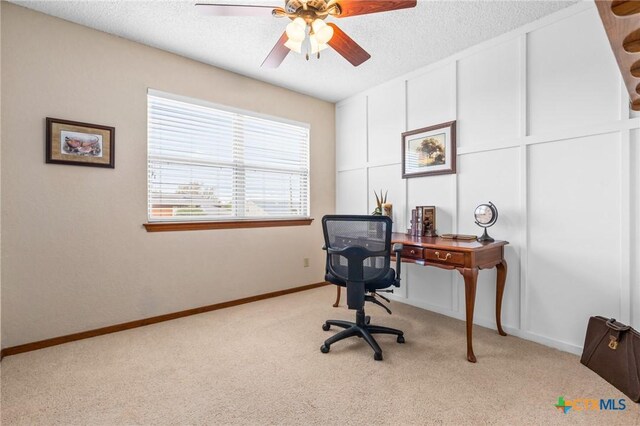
213, 163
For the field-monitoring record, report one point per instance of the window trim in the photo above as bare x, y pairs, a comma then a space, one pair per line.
234, 110
235, 222
223, 224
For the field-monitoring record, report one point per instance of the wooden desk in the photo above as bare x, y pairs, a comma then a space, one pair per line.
467, 257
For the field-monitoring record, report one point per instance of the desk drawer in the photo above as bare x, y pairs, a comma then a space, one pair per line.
444, 256
412, 251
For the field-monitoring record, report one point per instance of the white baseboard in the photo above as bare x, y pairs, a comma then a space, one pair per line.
490, 323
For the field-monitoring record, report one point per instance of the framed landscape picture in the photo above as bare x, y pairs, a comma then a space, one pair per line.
429, 151
79, 144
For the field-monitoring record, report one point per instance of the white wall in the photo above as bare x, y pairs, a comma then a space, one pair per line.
634, 232
75, 255
0, 177
544, 133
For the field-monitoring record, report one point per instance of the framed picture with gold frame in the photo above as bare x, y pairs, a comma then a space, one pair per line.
79, 144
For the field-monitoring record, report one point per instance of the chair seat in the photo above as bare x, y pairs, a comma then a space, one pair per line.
387, 281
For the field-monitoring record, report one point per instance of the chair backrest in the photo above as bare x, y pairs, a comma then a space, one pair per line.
358, 246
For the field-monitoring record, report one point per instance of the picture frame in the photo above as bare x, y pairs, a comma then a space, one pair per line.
79, 144
429, 151
427, 221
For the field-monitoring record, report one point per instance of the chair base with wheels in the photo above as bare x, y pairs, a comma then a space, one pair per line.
360, 328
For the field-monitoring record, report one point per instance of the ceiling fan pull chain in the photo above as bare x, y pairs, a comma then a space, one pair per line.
307, 41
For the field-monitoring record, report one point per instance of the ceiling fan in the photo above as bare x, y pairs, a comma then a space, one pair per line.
307, 32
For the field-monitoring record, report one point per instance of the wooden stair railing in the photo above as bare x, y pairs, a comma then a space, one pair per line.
621, 20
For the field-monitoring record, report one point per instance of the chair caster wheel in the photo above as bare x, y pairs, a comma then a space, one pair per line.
326, 326
377, 356
324, 349
400, 339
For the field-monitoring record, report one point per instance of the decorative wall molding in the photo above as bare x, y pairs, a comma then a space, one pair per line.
524, 30
623, 125
526, 323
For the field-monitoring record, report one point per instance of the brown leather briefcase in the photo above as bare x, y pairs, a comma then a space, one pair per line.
612, 350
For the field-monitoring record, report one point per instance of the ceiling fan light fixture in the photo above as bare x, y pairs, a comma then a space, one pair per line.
322, 31
315, 44
307, 20
297, 30
295, 46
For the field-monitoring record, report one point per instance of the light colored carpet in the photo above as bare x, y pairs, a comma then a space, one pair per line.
260, 363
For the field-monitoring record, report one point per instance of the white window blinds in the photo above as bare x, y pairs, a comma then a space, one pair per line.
207, 162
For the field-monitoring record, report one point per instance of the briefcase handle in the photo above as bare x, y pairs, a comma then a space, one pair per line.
617, 327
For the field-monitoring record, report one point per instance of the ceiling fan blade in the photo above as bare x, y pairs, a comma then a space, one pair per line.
344, 45
237, 10
277, 54
363, 7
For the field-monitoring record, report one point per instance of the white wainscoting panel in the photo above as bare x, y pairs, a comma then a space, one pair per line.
488, 95
436, 191
493, 176
544, 133
386, 122
431, 97
351, 130
432, 286
387, 178
571, 75
352, 196
635, 229
574, 235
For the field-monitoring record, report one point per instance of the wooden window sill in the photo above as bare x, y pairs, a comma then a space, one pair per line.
231, 224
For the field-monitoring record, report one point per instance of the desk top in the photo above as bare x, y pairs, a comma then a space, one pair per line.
444, 243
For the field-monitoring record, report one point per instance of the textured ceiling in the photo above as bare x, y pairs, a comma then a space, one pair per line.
398, 42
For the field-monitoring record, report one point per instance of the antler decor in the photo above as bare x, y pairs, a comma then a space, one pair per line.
381, 203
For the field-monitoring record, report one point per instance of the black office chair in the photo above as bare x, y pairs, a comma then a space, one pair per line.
358, 257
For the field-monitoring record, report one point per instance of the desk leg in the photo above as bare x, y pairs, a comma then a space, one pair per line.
470, 280
338, 288
500, 281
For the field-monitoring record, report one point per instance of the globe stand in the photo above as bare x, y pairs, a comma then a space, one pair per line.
485, 238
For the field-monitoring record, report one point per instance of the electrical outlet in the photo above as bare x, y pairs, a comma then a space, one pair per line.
306, 262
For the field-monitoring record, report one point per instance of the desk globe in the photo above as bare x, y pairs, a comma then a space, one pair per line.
486, 215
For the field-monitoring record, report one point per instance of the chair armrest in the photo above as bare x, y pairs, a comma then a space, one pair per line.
397, 247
